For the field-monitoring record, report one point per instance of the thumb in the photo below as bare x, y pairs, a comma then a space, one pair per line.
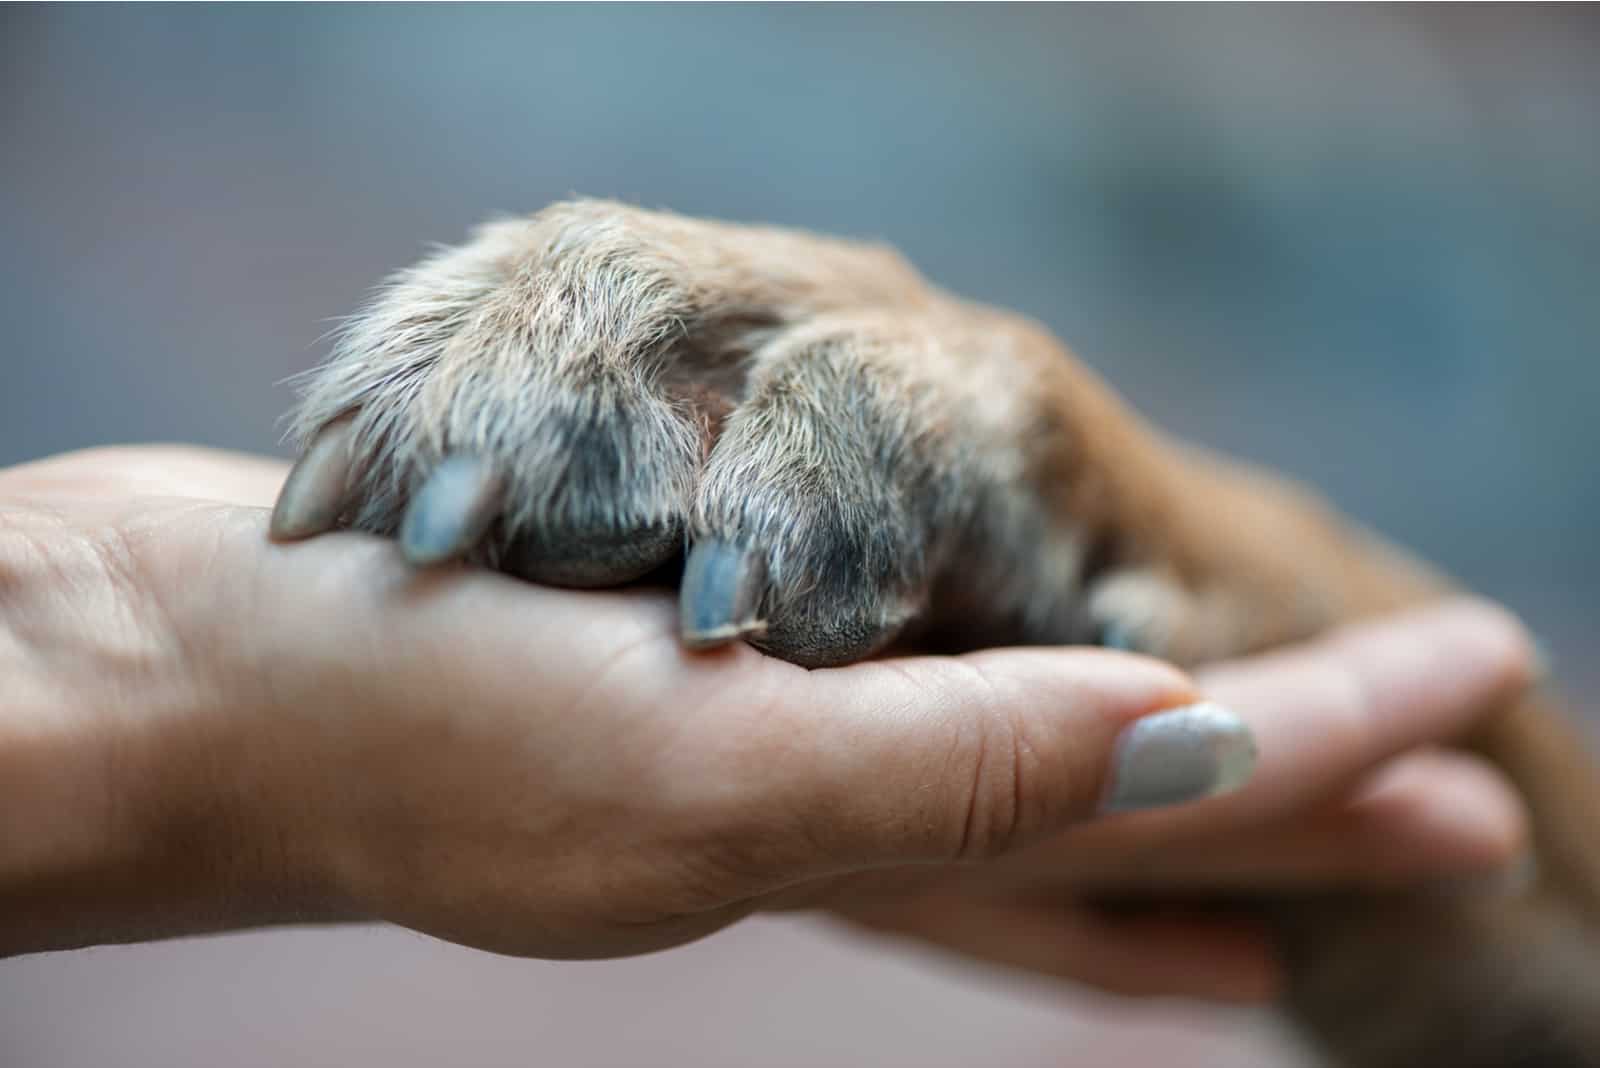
948, 758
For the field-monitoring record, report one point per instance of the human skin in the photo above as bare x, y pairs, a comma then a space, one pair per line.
200, 730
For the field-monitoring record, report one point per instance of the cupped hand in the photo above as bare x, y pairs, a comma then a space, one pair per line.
239, 732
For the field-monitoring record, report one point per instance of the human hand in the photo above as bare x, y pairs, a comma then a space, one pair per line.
1352, 793
234, 732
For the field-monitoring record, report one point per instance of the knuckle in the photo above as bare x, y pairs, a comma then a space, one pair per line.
1001, 760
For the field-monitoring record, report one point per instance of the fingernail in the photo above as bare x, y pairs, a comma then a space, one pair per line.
1182, 754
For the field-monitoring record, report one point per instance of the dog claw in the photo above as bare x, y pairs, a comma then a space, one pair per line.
452, 511
721, 595
314, 495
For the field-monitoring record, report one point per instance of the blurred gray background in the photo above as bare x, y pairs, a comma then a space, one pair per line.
1360, 244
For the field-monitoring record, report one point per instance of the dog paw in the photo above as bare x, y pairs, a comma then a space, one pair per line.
844, 455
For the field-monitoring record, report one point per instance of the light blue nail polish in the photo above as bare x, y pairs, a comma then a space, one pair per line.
1179, 755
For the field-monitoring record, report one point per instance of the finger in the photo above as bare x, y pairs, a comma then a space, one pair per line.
1326, 713
315, 494
154, 470
1427, 816
961, 757
452, 511
1430, 816
1136, 955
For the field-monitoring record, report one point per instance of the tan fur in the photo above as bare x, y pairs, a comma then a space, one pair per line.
911, 467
